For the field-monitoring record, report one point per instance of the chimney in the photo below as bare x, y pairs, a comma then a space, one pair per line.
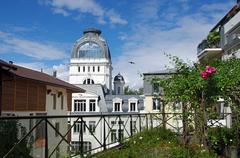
10, 62
41, 69
54, 73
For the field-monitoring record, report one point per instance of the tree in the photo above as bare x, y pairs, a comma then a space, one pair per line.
130, 91
9, 136
190, 86
213, 38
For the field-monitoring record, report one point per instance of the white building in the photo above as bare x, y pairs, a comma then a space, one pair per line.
91, 69
91, 61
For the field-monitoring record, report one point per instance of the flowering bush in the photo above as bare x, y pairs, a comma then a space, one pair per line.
208, 72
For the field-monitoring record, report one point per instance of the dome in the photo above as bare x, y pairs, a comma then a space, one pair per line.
91, 46
119, 77
92, 30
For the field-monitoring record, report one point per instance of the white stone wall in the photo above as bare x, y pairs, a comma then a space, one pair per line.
103, 76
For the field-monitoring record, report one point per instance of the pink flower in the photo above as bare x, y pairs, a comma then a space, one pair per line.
210, 69
204, 74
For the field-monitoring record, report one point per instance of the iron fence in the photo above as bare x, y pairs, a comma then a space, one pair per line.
80, 135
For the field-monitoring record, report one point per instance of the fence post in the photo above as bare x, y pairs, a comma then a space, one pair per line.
120, 131
151, 119
131, 132
46, 138
104, 133
140, 125
81, 136
185, 123
163, 115
146, 121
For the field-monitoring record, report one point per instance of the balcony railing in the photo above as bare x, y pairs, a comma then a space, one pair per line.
79, 135
205, 45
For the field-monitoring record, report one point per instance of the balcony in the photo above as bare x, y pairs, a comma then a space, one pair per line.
206, 52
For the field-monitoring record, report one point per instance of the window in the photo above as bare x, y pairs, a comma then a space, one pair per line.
30, 122
57, 128
113, 135
117, 107
79, 105
133, 126
92, 126
54, 101
113, 123
83, 68
40, 129
98, 68
87, 146
120, 134
156, 104
132, 106
88, 81
77, 127
155, 88
121, 122
119, 89
90, 50
93, 68
88, 68
57, 152
76, 146
177, 105
92, 105
79, 69
62, 101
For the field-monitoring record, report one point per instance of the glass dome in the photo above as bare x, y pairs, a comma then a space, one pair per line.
90, 50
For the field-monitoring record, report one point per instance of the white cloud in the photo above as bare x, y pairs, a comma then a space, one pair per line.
61, 11
85, 7
216, 7
115, 18
148, 43
31, 48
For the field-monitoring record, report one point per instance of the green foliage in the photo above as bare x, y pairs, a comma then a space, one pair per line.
155, 143
9, 135
213, 38
220, 137
187, 85
130, 91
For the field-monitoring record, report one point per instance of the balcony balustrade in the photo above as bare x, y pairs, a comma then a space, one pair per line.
79, 135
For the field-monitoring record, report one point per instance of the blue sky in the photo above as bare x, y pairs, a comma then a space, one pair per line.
41, 33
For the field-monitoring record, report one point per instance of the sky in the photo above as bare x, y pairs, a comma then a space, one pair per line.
40, 34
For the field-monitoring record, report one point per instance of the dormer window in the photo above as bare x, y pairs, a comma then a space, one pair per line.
117, 105
156, 104
132, 105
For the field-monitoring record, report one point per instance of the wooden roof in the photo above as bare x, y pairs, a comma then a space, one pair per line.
37, 76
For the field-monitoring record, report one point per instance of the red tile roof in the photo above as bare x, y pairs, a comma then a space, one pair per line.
38, 76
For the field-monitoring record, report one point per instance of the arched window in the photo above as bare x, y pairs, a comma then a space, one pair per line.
90, 50
88, 81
